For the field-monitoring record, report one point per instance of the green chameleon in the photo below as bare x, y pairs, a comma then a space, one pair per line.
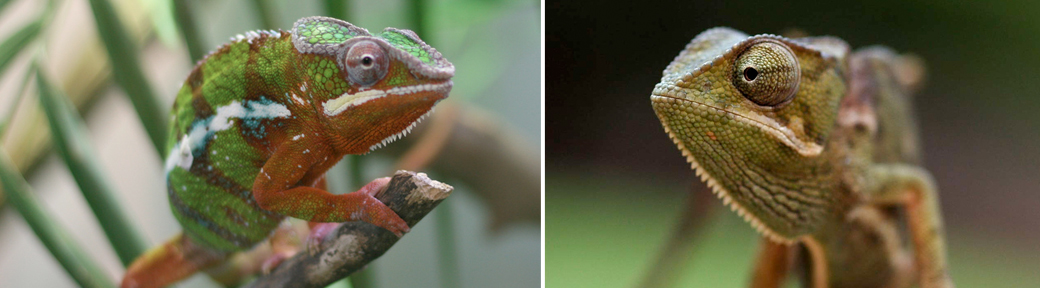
817, 149
259, 121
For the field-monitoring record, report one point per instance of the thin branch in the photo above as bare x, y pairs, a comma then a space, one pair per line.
354, 244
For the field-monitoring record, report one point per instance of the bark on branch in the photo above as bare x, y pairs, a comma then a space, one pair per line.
354, 244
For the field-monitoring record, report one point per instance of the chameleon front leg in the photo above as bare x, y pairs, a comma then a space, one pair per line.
772, 265
277, 189
914, 189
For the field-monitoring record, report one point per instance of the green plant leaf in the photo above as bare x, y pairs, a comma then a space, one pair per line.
17, 41
70, 138
9, 116
186, 23
266, 14
161, 14
126, 68
3, 3
69, 253
339, 9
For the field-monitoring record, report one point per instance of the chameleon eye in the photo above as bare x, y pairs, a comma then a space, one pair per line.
767, 73
366, 63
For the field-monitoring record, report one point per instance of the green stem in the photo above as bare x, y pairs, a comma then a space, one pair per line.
14, 103
127, 71
3, 4
338, 9
267, 18
363, 278
64, 248
73, 145
448, 253
17, 41
415, 17
186, 22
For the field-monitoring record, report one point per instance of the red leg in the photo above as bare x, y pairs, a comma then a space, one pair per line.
276, 190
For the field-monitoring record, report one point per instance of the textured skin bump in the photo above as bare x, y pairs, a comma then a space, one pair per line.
324, 30
767, 73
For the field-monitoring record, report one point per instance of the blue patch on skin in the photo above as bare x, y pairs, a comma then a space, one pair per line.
252, 114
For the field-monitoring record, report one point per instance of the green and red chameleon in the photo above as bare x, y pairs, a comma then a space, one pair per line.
259, 121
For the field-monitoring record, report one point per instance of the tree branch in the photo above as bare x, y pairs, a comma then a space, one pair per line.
354, 244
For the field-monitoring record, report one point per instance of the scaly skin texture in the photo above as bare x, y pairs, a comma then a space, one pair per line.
259, 121
812, 146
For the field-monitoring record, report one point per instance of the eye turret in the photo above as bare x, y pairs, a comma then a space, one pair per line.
367, 63
767, 73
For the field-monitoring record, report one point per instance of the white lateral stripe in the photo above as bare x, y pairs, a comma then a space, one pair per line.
201, 131
339, 104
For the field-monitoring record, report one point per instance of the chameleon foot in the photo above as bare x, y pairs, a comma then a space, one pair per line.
371, 210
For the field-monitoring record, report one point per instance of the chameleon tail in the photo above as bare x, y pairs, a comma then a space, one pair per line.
177, 259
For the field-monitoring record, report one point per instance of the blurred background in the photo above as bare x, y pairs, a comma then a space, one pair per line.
494, 45
615, 182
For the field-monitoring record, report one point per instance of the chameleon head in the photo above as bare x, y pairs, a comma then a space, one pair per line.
752, 115
373, 89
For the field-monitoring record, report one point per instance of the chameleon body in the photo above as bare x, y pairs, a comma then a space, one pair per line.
816, 148
259, 121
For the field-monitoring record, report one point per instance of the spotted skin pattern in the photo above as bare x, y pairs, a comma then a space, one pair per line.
259, 121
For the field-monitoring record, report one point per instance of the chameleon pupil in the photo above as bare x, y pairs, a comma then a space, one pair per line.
750, 74
367, 61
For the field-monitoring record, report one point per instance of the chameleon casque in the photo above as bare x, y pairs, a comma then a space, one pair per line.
260, 120
816, 148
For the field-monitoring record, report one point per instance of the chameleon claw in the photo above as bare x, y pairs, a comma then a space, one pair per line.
373, 211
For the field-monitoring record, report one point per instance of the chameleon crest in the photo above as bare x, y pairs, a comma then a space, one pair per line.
752, 114
259, 121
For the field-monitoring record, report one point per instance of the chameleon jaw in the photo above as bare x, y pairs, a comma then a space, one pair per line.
724, 194
762, 122
399, 135
715, 187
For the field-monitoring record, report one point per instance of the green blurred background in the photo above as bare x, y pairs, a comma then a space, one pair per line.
615, 182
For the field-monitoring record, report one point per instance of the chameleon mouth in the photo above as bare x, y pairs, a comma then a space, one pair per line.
705, 177
765, 124
399, 135
339, 104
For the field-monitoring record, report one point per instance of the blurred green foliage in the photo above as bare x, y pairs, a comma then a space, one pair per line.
604, 231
